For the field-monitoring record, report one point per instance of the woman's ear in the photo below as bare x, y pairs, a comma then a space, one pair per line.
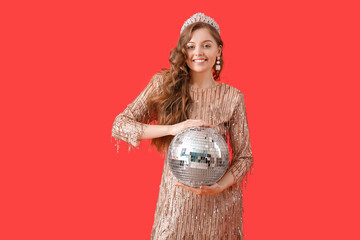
219, 51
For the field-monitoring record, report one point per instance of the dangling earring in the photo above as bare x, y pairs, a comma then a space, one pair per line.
217, 66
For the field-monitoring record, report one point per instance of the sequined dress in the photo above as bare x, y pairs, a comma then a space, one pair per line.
181, 214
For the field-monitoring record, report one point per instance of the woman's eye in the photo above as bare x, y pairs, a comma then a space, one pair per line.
206, 46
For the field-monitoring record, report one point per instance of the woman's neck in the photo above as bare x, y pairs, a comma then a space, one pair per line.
201, 79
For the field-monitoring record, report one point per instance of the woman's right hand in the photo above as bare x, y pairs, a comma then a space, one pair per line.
178, 127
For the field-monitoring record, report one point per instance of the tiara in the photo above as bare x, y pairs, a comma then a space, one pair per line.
200, 17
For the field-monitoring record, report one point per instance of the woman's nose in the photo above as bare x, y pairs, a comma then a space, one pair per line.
198, 51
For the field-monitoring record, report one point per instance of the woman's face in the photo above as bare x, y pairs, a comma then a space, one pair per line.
202, 51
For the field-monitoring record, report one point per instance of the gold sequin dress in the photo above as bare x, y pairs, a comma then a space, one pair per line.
181, 214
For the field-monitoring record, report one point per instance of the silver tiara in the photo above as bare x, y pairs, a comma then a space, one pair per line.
200, 17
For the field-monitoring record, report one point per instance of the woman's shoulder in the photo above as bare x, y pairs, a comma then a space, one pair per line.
156, 77
233, 90
157, 80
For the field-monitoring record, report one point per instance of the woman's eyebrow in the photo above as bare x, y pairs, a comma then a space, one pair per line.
202, 41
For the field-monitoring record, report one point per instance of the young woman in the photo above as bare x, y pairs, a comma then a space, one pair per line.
187, 95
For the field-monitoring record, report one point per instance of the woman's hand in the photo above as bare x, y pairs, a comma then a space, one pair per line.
211, 190
178, 127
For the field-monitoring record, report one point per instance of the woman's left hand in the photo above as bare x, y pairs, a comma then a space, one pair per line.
211, 190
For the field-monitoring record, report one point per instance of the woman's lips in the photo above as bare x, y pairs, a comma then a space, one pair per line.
199, 60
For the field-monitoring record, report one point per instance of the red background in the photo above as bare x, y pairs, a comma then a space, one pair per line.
69, 67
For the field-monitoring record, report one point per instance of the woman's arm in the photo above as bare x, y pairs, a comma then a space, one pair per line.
155, 131
242, 158
227, 180
130, 125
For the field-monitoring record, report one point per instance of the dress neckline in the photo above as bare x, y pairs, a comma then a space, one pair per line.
192, 88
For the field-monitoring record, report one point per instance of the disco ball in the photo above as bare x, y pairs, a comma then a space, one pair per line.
198, 156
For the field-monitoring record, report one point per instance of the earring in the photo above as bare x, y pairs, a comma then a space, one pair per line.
217, 66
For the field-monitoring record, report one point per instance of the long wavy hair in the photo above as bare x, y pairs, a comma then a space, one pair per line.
172, 104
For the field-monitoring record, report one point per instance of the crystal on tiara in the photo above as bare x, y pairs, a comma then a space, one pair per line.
200, 17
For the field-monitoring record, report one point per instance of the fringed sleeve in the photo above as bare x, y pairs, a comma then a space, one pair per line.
242, 158
130, 124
